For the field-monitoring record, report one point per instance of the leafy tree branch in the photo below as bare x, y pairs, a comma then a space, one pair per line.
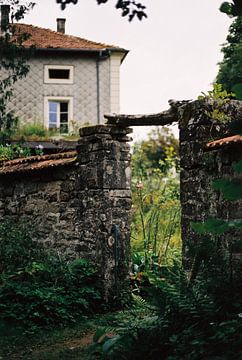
13, 62
233, 8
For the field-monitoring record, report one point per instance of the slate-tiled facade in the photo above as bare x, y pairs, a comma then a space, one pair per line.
94, 90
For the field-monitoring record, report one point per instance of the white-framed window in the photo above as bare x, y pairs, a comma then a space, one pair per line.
58, 113
58, 74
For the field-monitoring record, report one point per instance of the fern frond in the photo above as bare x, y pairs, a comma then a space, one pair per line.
139, 301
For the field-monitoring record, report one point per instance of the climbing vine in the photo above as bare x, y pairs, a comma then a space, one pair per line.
217, 98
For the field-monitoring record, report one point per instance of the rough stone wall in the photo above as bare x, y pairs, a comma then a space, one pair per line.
199, 168
105, 195
81, 210
48, 200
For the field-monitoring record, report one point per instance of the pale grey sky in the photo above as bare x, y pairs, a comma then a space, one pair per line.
173, 54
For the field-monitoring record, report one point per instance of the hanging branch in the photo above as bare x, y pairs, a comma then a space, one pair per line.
13, 61
128, 8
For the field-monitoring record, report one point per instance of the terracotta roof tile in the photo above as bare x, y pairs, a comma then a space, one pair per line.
225, 141
49, 39
34, 163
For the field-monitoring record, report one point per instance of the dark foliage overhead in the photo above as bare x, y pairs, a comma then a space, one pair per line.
230, 69
128, 8
232, 8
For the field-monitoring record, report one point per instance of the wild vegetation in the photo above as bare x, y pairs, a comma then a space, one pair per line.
10, 152
216, 99
230, 69
173, 316
188, 317
156, 206
37, 287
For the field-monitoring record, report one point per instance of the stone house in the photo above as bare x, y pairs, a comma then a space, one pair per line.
71, 81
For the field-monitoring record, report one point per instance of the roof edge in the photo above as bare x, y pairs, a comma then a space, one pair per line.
226, 141
121, 50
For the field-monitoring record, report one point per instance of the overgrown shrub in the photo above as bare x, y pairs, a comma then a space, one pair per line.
17, 249
187, 321
37, 288
10, 152
32, 130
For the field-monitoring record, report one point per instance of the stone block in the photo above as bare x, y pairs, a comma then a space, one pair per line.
8, 190
30, 188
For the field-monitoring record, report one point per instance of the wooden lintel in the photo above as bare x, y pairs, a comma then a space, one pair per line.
163, 118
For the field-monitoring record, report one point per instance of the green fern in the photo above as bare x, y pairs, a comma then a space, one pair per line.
139, 302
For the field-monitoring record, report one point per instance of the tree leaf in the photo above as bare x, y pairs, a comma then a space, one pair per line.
226, 8
110, 343
231, 189
238, 167
99, 333
237, 89
210, 226
236, 126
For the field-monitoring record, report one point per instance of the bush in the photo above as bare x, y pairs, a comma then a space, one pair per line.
36, 287
31, 132
186, 321
33, 129
10, 152
17, 249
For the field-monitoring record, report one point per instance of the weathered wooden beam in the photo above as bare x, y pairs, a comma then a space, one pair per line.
166, 117
163, 118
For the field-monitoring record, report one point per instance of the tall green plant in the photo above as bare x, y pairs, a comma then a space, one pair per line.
155, 226
156, 208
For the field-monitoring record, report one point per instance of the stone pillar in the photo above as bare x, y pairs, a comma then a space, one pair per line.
105, 204
199, 168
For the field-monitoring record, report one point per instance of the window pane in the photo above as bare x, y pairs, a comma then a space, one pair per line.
63, 118
63, 107
64, 128
53, 118
52, 126
59, 73
53, 106
58, 115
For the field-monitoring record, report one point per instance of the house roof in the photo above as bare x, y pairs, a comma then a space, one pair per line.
46, 39
223, 142
36, 163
